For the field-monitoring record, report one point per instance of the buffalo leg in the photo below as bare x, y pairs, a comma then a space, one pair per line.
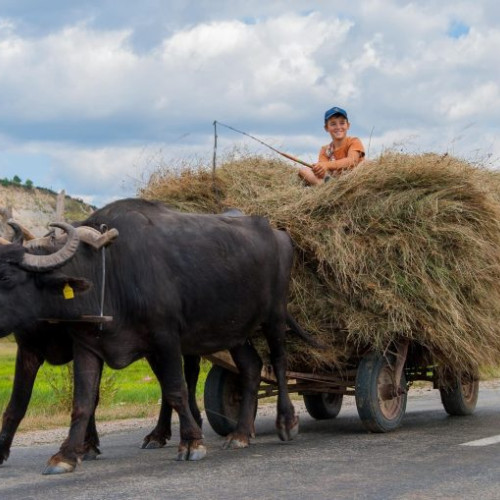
159, 436
168, 366
27, 366
191, 374
249, 365
287, 423
91, 443
87, 376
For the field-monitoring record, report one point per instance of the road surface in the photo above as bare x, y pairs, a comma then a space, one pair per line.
432, 456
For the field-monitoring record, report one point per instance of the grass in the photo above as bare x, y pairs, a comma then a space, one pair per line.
129, 393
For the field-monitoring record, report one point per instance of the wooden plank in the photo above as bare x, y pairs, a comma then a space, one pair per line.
347, 378
224, 359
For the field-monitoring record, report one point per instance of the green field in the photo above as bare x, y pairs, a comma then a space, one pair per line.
129, 393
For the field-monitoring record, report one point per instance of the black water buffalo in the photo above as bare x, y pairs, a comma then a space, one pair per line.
52, 344
174, 284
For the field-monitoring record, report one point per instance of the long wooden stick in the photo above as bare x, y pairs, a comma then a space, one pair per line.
286, 155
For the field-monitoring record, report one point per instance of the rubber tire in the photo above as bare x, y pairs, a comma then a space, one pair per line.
376, 415
323, 405
459, 398
222, 400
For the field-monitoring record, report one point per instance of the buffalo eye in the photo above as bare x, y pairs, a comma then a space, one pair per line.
6, 280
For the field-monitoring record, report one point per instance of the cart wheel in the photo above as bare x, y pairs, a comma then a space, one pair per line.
222, 397
459, 397
324, 405
381, 403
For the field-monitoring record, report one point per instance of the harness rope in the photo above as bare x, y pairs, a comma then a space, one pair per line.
103, 229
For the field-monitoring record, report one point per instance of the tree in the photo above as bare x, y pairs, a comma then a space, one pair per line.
29, 184
16, 179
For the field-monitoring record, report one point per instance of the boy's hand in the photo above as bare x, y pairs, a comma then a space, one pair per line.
319, 170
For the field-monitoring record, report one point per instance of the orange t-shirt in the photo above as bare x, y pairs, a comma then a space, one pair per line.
347, 156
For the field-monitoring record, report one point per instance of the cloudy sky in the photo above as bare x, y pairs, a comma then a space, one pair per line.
95, 94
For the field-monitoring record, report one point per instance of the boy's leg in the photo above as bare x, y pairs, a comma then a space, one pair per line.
309, 176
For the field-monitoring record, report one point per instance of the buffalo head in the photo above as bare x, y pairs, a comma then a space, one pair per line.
29, 279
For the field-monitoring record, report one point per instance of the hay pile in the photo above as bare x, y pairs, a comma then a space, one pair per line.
403, 246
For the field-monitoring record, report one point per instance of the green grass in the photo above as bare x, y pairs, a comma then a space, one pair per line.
129, 393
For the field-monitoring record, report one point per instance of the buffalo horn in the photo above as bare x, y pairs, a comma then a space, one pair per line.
94, 238
57, 259
21, 233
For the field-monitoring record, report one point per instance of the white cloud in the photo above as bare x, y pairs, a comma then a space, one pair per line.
88, 98
481, 100
72, 73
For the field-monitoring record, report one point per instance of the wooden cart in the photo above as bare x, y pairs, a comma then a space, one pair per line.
370, 378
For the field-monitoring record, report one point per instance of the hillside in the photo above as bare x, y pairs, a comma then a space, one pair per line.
35, 207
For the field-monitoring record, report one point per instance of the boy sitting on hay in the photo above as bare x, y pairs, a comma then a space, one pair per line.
341, 154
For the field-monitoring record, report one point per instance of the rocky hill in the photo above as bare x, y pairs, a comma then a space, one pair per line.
35, 207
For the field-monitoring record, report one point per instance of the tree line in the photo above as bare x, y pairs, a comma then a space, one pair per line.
17, 181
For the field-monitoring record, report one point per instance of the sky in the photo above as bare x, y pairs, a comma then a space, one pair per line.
95, 95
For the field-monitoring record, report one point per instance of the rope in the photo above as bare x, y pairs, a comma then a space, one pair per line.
103, 268
221, 415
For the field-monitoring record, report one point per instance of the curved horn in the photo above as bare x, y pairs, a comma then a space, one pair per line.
20, 232
42, 263
94, 238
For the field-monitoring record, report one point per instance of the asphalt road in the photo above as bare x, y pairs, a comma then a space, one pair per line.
427, 458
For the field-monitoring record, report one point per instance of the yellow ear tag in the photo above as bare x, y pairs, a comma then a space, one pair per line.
68, 292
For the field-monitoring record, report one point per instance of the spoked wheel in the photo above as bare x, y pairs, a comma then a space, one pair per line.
324, 405
459, 394
222, 397
380, 400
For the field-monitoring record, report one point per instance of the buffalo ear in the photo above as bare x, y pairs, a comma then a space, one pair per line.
79, 285
56, 284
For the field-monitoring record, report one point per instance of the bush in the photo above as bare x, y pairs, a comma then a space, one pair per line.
60, 381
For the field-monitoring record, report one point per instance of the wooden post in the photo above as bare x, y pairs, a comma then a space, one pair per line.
60, 210
60, 206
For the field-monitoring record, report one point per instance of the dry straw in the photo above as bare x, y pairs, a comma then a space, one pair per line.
405, 246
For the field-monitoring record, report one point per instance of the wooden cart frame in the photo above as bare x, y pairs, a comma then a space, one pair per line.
371, 379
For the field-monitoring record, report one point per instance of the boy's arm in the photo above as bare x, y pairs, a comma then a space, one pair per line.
353, 158
355, 154
322, 166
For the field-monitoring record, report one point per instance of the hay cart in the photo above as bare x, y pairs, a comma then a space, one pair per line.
370, 378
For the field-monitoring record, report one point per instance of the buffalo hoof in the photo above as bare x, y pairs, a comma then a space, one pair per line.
4, 451
182, 454
235, 442
191, 452
60, 468
155, 440
197, 454
92, 453
152, 444
287, 432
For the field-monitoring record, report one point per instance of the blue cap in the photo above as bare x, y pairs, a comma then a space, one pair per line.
335, 111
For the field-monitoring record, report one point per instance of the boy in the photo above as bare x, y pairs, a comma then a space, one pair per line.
343, 153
